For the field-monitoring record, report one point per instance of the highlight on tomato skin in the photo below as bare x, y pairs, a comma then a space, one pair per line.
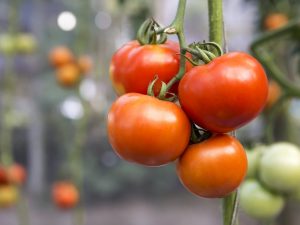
148, 131
225, 94
213, 168
134, 66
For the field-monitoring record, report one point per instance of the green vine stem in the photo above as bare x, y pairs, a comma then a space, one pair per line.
266, 59
215, 10
216, 28
177, 28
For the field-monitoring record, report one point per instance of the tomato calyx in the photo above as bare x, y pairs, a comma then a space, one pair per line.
147, 33
163, 93
203, 52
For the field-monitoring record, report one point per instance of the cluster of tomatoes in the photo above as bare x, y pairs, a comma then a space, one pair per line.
69, 69
65, 194
273, 176
23, 43
213, 99
11, 177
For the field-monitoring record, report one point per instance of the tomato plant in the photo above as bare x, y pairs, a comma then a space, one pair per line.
65, 195
134, 66
146, 130
279, 167
225, 94
258, 202
213, 168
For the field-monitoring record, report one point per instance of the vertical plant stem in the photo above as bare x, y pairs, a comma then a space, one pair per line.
215, 8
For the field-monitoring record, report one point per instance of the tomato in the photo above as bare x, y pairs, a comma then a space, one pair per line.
68, 75
225, 94
253, 157
60, 55
213, 168
146, 130
134, 66
17, 174
4, 178
258, 202
25, 43
279, 167
273, 94
85, 64
7, 44
65, 195
275, 20
9, 195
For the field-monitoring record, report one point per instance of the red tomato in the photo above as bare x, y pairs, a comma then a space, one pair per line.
65, 195
17, 174
213, 168
225, 94
134, 66
146, 130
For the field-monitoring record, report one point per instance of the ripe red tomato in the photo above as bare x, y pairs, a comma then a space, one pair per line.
225, 94
275, 20
213, 168
17, 174
65, 195
134, 66
146, 130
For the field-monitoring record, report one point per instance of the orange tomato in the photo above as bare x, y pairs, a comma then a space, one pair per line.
273, 94
68, 75
213, 168
60, 55
146, 130
9, 195
275, 20
65, 195
85, 64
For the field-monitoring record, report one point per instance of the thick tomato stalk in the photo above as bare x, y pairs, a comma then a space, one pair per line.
225, 94
134, 66
213, 168
146, 130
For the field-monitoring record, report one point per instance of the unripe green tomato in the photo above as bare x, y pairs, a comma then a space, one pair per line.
25, 43
253, 157
7, 44
279, 167
258, 202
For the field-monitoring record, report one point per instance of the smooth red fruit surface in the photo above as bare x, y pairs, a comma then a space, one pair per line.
225, 94
213, 168
134, 66
17, 174
146, 130
65, 195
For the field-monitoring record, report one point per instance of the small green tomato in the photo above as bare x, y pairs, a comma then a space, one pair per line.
253, 157
258, 202
279, 167
7, 44
25, 43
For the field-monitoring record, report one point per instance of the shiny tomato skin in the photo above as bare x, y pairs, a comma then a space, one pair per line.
213, 168
225, 94
146, 130
134, 66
